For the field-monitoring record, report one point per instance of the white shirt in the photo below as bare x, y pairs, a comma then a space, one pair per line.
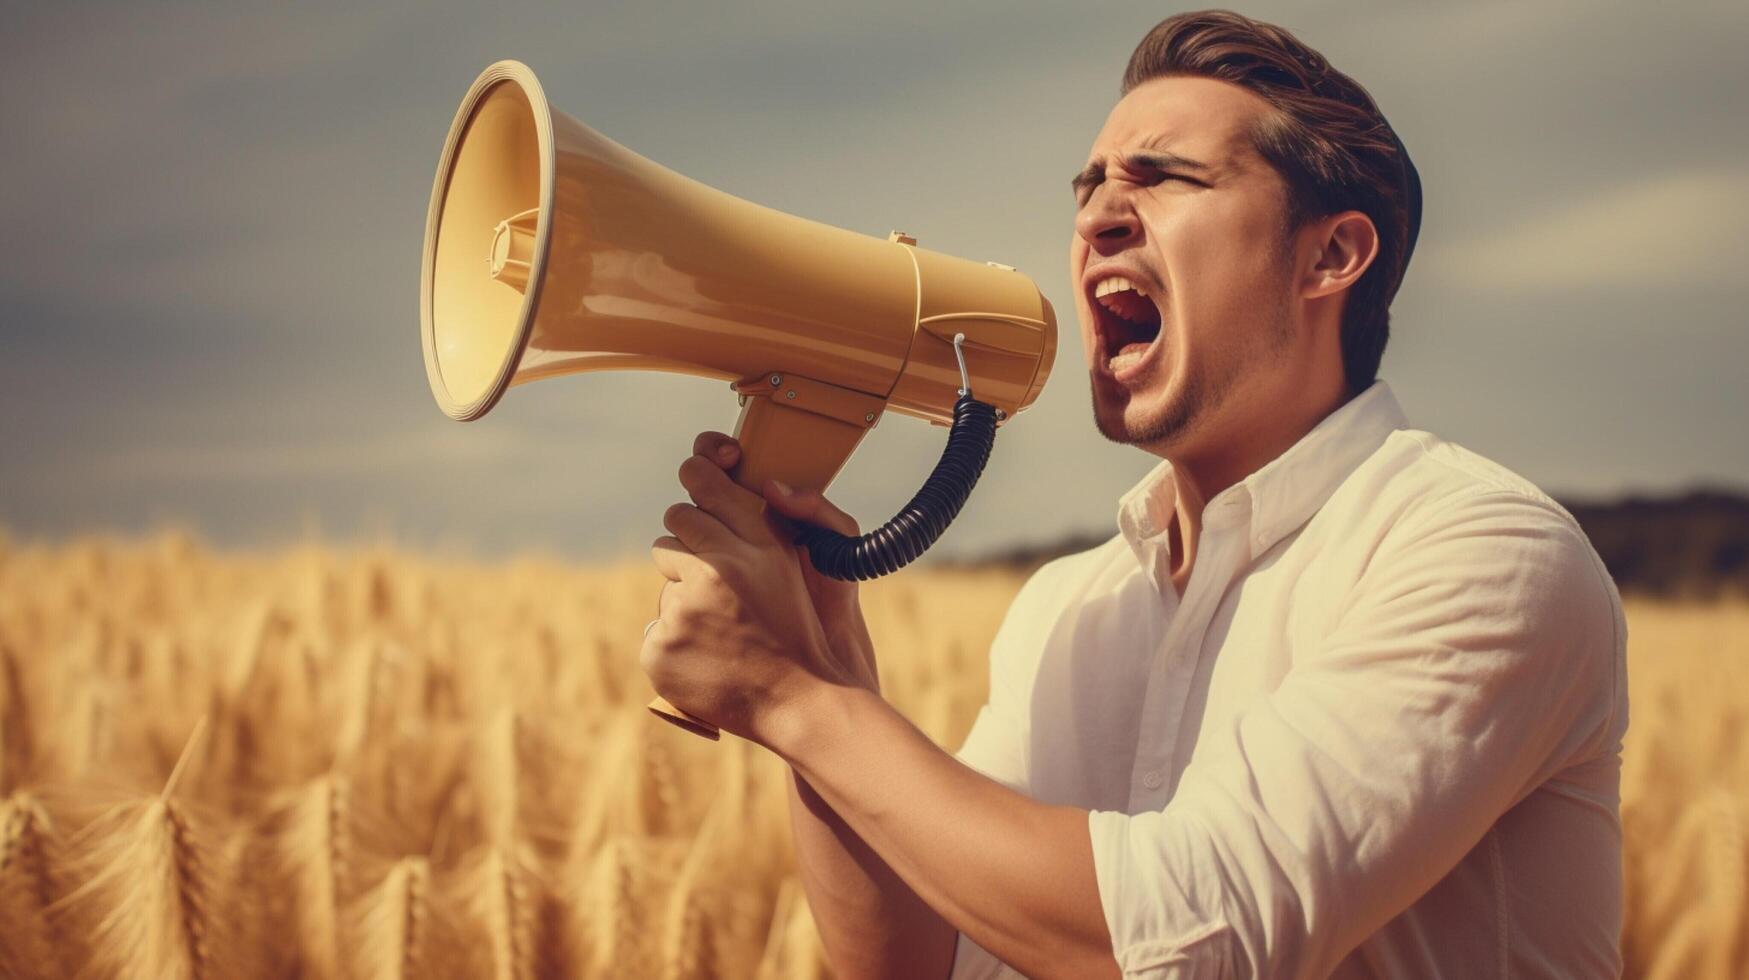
1379, 736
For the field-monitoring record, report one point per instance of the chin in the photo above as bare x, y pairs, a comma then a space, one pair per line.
1154, 416
1122, 415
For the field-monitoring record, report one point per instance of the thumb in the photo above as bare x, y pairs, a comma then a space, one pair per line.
810, 506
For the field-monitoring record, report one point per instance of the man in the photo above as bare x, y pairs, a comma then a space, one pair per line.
1340, 698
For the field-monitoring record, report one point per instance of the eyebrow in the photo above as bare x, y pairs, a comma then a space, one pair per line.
1094, 173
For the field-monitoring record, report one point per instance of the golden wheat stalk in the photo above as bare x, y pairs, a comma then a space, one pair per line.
314, 853
149, 893
17, 741
391, 924
489, 720
31, 942
494, 773
498, 900
615, 921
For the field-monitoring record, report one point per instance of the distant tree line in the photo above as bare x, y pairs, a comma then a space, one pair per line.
1695, 545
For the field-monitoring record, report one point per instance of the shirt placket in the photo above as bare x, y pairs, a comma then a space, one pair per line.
1169, 681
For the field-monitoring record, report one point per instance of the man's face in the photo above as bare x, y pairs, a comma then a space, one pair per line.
1212, 338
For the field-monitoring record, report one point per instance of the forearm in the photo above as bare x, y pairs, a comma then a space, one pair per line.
872, 923
1014, 875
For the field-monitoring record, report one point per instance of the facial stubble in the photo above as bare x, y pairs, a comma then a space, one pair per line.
1201, 397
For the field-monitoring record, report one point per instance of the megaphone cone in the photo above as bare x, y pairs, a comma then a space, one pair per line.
552, 250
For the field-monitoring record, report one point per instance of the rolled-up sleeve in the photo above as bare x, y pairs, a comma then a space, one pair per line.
995, 746
997, 743
1475, 658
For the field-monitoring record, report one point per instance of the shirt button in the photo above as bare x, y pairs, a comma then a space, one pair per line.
1151, 779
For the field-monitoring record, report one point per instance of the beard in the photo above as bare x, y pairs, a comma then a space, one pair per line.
1183, 406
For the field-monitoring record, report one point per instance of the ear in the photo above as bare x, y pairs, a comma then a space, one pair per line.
1346, 246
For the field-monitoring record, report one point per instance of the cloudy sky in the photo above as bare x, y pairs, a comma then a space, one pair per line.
213, 215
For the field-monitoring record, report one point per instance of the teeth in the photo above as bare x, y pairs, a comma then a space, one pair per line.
1132, 306
1116, 284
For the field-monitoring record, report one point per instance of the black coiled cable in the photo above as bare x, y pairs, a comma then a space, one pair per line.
899, 541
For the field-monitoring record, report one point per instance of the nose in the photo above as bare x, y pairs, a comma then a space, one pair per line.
1107, 223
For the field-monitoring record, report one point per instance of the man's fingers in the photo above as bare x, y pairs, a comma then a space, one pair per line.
673, 560
812, 507
720, 449
739, 509
698, 531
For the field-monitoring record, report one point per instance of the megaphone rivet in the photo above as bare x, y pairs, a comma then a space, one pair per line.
868, 417
776, 379
790, 393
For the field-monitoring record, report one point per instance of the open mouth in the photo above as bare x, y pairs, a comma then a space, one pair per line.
1128, 322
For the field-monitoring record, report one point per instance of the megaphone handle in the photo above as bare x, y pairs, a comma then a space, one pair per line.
803, 441
798, 445
669, 713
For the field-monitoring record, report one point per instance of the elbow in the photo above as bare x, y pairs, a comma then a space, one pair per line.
1059, 950
1096, 961
1210, 950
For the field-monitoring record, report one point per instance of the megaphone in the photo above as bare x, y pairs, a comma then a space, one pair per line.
551, 250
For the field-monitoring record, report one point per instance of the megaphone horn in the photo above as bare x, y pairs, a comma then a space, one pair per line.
552, 250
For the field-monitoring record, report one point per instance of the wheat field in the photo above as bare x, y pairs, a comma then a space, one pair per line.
363, 763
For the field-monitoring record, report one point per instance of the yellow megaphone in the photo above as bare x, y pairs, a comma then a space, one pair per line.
552, 250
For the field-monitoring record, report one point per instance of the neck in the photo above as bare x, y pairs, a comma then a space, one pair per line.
1260, 430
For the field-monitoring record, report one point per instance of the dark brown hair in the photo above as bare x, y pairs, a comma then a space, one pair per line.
1327, 139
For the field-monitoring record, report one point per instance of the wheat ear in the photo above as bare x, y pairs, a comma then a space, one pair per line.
147, 902
391, 923
499, 901
31, 944
314, 851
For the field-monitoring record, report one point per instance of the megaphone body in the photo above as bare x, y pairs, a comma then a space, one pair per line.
551, 250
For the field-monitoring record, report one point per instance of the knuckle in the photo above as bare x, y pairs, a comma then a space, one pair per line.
708, 442
843, 519
675, 516
700, 477
689, 618
689, 468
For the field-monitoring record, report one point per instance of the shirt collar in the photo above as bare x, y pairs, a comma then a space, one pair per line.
1280, 495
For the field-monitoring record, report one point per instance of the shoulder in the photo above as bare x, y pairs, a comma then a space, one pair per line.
1419, 484
1415, 471
1478, 560
1451, 531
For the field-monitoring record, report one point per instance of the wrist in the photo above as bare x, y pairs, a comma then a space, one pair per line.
806, 718
854, 652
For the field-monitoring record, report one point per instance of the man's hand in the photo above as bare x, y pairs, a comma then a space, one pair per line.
835, 602
737, 637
